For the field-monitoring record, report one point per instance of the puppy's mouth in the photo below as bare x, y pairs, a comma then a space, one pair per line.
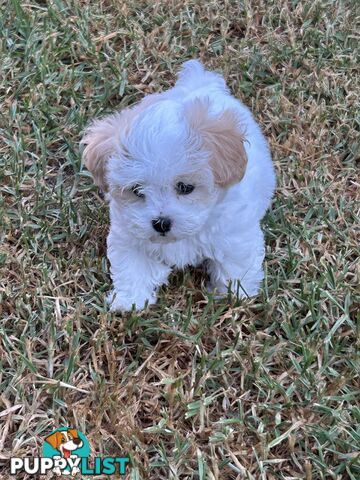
66, 453
162, 238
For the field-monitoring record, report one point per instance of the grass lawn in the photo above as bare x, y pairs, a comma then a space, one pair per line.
266, 388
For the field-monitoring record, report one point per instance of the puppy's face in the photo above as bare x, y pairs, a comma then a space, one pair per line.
65, 441
162, 204
165, 165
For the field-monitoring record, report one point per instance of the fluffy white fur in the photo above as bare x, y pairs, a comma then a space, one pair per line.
198, 134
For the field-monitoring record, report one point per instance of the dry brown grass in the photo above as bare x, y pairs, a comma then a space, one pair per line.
191, 389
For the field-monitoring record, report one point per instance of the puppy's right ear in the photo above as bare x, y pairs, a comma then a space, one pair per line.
102, 140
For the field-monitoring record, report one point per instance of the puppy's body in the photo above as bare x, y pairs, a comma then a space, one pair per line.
198, 135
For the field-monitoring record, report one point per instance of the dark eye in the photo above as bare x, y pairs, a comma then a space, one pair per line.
184, 188
136, 189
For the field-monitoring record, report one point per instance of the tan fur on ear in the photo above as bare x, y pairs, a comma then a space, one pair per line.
103, 138
54, 440
222, 136
73, 432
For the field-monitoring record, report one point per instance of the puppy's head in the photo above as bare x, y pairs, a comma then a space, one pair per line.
165, 165
65, 441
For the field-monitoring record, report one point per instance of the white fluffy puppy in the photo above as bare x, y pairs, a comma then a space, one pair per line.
188, 176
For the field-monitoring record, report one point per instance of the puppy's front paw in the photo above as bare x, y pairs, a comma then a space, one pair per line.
75, 471
57, 471
122, 302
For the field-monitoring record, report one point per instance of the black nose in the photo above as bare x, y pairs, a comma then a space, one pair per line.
162, 225
77, 440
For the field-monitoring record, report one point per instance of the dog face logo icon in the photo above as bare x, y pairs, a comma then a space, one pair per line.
66, 446
66, 451
65, 441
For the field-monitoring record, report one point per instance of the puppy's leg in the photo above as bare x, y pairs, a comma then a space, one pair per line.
136, 277
238, 265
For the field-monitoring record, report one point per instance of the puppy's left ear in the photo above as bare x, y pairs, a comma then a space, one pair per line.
73, 432
224, 139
